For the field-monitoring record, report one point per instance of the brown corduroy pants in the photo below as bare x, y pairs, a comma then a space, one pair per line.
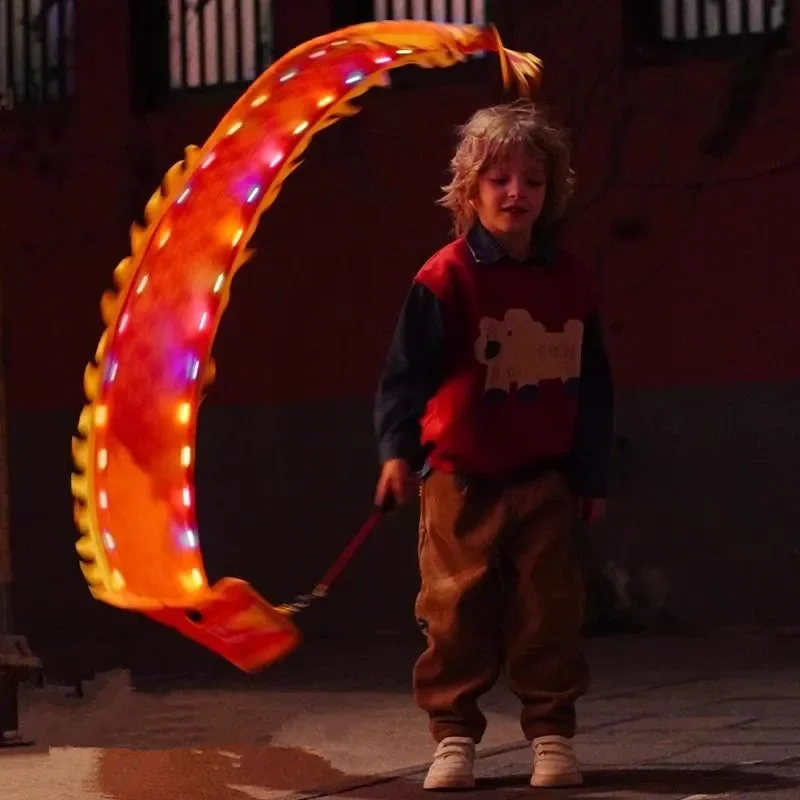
501, 590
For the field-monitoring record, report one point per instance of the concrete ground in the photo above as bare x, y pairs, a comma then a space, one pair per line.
668, 717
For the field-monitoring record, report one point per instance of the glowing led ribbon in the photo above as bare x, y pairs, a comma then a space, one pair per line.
135, 457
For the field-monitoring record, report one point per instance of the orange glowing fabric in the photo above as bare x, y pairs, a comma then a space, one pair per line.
134, 456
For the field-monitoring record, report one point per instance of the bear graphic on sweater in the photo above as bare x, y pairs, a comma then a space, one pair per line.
519, 352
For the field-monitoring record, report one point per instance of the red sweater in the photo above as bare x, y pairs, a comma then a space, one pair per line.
513, 336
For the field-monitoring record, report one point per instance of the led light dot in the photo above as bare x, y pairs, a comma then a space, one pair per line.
123, 322
219, 283
102, 499
203, 324
102, 458
237, 237
259, 101
237, 126
355, 77
301, 127
325, 101
194, 369
288, 75
209, 160
187, 496
112, 371
383, 59
101, 416
164, 238
108, 541
254, 193
186, 456
142, 284
317, 54
184, 413
182, 196
117, 581
404, 51
190, 538
276, 159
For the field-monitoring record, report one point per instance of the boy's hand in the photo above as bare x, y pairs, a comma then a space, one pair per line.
396, 482
592, 509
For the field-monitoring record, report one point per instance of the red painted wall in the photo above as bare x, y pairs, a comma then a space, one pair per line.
706, 294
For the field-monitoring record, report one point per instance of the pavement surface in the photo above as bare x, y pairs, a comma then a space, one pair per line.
673, 718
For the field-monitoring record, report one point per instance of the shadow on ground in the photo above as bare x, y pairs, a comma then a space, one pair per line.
599, 785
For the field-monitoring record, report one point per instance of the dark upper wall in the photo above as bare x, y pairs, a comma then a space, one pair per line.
696, 252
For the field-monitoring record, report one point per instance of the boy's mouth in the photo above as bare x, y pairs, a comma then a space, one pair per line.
515, 210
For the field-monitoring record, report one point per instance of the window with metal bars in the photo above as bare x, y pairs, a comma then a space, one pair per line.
708, 19
459, 12
36, 51
707, 26
452, 11
218, 42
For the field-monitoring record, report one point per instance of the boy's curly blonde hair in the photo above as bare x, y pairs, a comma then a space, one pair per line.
487, 138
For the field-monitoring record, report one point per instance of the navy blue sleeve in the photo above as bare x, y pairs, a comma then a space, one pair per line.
595, 429
411, 375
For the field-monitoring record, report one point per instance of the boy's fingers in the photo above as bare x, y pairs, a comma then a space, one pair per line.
380, 491
399, 489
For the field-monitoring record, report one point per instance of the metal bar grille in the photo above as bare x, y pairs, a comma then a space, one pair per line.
452, 11
36, 51
218, 42
688, 20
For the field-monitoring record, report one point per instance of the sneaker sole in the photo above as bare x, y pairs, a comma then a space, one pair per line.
449, 783
562, 781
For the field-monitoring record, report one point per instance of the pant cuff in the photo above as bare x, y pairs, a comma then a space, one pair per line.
440, 732
532, 732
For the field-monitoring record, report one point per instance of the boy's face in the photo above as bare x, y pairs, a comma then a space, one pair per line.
511, 195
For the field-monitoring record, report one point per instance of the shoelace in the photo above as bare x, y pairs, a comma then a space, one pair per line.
452, 749
558, 749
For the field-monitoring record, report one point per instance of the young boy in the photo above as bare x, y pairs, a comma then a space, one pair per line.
497, 394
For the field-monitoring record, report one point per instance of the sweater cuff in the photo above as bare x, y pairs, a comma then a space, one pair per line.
400, 447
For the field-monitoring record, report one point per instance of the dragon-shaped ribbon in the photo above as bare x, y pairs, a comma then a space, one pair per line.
134, 455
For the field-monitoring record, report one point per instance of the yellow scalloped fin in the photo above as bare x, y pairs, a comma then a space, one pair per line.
109, 303
80, 453
91, 381
123, 272
80, 513
192, 155
92, 573
80, 486
242, 257
86, 549
138, 236
85, 420
101, 346
328, 122
102, 594
154, 206
209, 372
174, 177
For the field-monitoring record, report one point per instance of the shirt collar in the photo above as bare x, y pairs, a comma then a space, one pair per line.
486, 250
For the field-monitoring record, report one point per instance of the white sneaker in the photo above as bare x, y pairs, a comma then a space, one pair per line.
452, 765
554, 763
